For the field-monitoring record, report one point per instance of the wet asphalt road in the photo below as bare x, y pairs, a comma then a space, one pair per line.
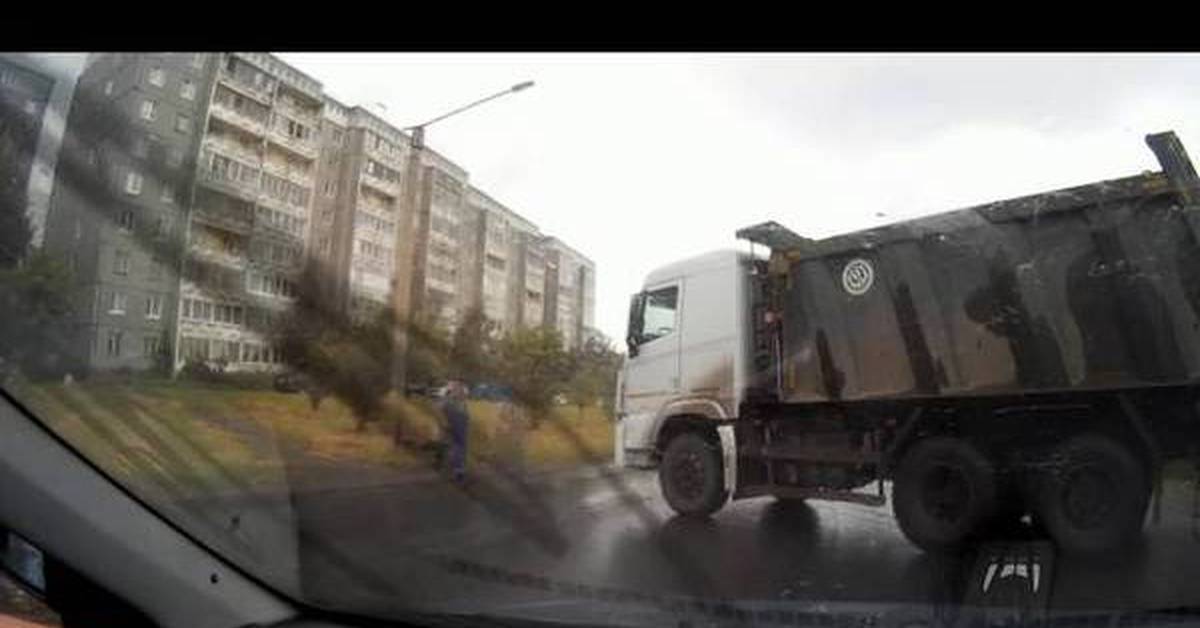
607, 547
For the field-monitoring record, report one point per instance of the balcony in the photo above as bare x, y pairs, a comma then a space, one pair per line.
229, 115
245, 85
304, 148
375, 208
226, 259
391, 188
305, 115
239, 180
295, 175
266, 200
226, 148
394, 159
228, 219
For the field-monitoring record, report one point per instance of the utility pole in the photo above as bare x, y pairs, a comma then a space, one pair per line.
409, 266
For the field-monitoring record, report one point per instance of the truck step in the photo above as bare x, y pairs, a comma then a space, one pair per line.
833, 495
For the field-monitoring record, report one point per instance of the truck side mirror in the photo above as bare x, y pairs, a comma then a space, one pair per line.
633, 339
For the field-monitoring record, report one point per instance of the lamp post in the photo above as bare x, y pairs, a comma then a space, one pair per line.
409, 265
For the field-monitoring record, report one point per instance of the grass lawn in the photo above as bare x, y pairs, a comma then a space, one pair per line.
185, 439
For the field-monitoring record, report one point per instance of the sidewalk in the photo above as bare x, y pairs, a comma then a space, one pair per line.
314, 477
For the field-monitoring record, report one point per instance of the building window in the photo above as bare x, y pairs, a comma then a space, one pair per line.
133, 183
121, 262
183, 124
330, 189
150, 345
154, 307
162, 226
149, 110
140, 147
297, 130
114, 344
157, 77
198, 60
108, 88
168, 193
337, 137
116, 303
125, 220
187, 91
174, 157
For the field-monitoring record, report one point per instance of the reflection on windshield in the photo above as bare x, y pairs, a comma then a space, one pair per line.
336, 356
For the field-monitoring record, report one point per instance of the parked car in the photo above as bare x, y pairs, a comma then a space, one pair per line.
491, 392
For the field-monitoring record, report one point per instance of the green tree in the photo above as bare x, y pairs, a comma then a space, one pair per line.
472, 354
532, 362
350, 359
594, 367
429, 346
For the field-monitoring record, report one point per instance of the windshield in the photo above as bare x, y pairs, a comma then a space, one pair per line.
356, 323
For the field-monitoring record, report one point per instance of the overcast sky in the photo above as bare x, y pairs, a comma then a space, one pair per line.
637, 160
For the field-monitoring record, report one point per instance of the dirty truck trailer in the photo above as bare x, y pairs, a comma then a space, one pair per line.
1037, 356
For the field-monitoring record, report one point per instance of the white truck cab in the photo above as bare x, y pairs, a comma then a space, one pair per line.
688, 354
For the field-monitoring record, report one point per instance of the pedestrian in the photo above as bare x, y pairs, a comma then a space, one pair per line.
457, 421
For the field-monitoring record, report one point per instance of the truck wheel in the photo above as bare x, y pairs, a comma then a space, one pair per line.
945, 491
691, 475
1094, 494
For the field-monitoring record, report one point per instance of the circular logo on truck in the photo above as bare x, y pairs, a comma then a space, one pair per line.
858, 276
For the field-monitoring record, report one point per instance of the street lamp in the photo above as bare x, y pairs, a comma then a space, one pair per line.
416, 222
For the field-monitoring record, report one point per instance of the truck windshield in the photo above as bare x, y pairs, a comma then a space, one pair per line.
367, 353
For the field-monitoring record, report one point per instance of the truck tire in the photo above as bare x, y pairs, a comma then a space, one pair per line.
944, 492
1093, 495
691, 475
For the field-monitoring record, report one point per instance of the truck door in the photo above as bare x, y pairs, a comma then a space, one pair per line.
651, 375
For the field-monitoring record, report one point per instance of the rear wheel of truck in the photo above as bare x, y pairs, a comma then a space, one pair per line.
1093, 495
691, 475
944, 492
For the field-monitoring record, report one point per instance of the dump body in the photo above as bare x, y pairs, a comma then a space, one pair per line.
1091, 287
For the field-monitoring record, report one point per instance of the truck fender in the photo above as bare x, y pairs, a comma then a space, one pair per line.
686, 408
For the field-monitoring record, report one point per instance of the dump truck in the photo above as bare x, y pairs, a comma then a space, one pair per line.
1028, 360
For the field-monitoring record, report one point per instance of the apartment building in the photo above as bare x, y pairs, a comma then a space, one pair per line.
570, 291
212, 158
213, 180
24, 95
118, 211
443, 242
359, 207
530, 297
251, 210
500, 284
